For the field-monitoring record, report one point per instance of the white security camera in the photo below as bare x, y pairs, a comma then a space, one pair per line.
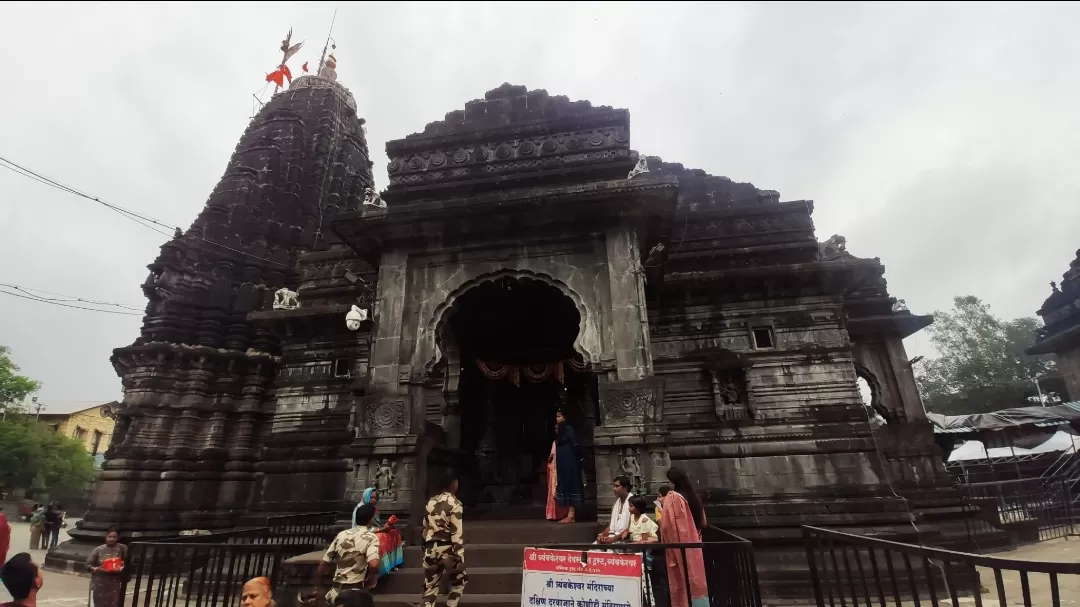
355, 317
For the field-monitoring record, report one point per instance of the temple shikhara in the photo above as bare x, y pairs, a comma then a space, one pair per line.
309, 336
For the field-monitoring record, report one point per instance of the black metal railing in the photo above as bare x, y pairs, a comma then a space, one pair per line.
168, 574
1029, 510
209, 570
730, 569
859, 571
303, 529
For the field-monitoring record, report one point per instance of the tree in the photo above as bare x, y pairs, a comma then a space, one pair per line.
982, 366
32, 453
14, 388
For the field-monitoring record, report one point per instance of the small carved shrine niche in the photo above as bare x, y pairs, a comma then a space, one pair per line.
727, 376
384, 478
630, 467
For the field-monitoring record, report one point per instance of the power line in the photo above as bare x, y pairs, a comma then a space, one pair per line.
38, 177
70, 298
140, 219
66, 305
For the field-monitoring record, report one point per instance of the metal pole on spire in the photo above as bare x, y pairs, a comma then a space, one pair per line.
322, 59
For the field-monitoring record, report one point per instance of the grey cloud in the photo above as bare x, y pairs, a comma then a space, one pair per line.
940, 137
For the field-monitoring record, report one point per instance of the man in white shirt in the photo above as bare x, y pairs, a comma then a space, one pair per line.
618, 528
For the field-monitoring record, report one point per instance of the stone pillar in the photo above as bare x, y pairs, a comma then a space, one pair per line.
386, 345
631, 437
629, 321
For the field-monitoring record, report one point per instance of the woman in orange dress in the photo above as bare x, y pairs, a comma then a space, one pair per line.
682, 521
553, 511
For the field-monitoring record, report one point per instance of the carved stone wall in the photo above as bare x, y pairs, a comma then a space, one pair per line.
513, 132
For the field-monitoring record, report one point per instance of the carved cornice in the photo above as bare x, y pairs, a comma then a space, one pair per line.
647, 201
528, 153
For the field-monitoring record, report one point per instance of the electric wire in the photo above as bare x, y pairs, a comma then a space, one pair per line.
141, 219
70, 298
66, 305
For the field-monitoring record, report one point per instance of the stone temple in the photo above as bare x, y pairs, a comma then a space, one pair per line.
524, 259
1060, 334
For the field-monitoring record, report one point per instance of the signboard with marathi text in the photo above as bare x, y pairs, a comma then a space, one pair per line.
572, 578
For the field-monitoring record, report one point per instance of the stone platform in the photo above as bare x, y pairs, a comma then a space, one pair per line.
493, 554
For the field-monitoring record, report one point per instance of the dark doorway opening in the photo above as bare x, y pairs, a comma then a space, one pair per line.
521, 328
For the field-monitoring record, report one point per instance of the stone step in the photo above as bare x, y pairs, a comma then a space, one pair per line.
531, 533
476, 555
412, 600
482, 580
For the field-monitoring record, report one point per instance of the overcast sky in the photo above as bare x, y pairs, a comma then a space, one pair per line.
941, 138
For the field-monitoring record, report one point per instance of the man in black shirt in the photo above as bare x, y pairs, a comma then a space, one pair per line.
54, 519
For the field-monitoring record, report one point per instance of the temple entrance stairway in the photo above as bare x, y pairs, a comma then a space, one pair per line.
493, 556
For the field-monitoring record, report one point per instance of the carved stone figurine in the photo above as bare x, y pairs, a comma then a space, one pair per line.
284, 299
833, 248
371, 197
639, 168
386, 479
631, 468
899, 305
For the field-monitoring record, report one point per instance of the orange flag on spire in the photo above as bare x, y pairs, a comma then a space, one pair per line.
283, 73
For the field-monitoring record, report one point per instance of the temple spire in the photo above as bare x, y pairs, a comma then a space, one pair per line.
332, 45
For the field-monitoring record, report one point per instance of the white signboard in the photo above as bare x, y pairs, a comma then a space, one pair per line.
562, 578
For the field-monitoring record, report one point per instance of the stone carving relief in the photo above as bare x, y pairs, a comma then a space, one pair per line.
502, 157
632, 402
629, 466
284, 299
384, 479
659, 463
729, 394
640, 168
372, 198
739, 226
834, 248
385, 415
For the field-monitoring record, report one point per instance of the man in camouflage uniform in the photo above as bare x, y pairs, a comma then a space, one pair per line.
444, 550
354, 553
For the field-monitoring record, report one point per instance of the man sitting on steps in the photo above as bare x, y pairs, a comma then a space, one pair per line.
618, 528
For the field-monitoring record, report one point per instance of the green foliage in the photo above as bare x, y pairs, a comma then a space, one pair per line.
33, 455
981, 365
14, 388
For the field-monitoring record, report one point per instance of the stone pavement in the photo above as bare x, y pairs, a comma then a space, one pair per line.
60, 589
1062, 550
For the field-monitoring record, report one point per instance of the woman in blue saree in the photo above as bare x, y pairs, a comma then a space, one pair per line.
568, 459
391, 553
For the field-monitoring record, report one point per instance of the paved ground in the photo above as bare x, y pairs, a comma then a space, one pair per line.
1063, 550
60, 589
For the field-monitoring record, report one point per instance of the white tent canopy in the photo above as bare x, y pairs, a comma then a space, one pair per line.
973, 449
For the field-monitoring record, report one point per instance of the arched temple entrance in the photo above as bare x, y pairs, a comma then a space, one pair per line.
512, 340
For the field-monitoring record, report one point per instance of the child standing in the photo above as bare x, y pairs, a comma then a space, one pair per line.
643, 531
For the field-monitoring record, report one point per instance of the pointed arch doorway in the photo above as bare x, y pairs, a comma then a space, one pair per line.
512, 340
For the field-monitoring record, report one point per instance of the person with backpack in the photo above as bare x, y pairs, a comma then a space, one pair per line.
37, 527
